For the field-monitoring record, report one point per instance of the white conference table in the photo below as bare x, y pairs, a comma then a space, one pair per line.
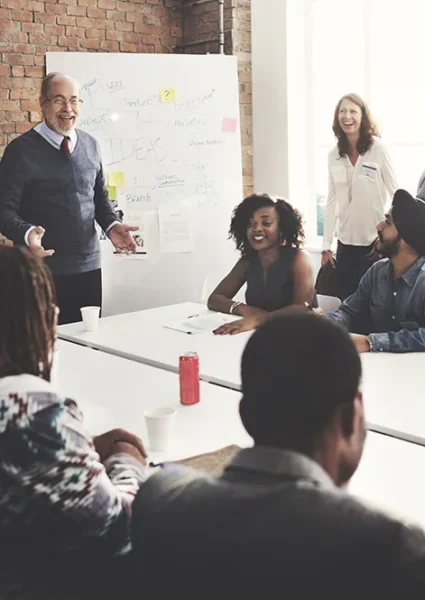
394, 401
113, 392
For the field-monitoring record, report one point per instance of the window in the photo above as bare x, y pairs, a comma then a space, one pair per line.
373, 48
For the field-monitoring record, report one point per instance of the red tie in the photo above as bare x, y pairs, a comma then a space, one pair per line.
65, 145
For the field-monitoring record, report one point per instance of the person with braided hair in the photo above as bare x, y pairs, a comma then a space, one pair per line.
59, 488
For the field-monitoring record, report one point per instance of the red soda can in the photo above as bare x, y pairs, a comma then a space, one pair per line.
189, 378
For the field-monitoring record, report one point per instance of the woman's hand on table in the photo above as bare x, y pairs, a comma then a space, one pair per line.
241, 325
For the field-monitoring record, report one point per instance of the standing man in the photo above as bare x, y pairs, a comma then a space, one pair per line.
53, 191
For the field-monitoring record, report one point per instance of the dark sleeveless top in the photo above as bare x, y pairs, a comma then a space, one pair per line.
277, 291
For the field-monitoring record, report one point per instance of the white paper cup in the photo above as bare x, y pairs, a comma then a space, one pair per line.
90, 316
160, 423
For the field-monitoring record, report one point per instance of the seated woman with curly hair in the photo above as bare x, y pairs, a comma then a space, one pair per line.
278, 274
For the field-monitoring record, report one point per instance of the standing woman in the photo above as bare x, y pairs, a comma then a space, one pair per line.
361, 178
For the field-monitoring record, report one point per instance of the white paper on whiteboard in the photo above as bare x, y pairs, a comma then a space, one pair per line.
142, 220
175, 229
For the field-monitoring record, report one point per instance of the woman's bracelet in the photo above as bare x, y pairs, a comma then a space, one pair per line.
233, 306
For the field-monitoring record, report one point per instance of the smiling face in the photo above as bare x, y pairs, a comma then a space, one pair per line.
349, 117
61, 107
263, 231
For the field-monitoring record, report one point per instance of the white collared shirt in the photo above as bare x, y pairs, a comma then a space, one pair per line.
358, 195
54, 138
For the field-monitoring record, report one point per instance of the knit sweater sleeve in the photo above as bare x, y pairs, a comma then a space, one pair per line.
50, 462
12, 183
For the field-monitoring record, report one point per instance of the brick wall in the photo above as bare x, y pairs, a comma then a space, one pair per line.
30, 28
200, 23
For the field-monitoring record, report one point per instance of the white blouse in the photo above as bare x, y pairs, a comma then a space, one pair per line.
357, 197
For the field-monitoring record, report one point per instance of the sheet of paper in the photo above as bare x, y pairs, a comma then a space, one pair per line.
168, 95
141, 219
116, 179
229, 125
112, 192
175, 229
201, 323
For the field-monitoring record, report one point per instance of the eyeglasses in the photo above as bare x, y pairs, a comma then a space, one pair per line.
61, 102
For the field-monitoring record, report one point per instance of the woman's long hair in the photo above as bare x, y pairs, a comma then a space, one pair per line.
368, 127
27, 314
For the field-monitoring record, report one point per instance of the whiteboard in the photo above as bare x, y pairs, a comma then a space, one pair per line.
181, 164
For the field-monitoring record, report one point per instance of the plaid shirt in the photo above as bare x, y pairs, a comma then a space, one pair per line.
52, 483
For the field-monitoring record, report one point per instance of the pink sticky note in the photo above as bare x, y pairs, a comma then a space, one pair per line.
229, 125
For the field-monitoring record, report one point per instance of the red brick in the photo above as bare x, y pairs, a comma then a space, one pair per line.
115, 15
125, 6
23, 127
96, 13
4, 70
4, 13
18, 36
34, 72
124, 26
35, 116
128, 47
15, 116
24, 48
55, 9
67, 21
39, 60
79, 11
132, 37
22, 82
18, 71
7, 127
137, 16
18, 59
5, 82
115, 36
11, 3
142, 28
55, 29
90, 44
150, 20
109, 4
8, 25
42, 18
87, 3
84, 22
32, 27
10, 105
30, 105
110, 46
103, 24
22, 15
68, 42
36, 6
75, 31
95, 34
5, 94
41, 38
21, 94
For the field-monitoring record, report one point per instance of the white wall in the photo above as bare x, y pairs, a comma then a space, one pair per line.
280, 150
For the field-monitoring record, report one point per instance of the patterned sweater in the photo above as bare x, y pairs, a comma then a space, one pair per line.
53, 486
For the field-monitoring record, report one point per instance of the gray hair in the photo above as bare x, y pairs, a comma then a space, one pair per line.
45, 84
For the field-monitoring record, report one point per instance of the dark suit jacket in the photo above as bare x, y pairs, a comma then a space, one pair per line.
272, 526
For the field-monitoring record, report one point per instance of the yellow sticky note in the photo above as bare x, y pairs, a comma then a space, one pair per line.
116, 179
168, 95
112, 192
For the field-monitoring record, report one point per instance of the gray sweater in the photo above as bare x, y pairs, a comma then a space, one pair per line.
65, 194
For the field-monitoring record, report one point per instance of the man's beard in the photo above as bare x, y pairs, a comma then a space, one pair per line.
389, 248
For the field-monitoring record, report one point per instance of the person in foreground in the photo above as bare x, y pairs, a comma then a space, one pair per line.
53, 191
278, 523
60, 490
278, 274
390, 300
